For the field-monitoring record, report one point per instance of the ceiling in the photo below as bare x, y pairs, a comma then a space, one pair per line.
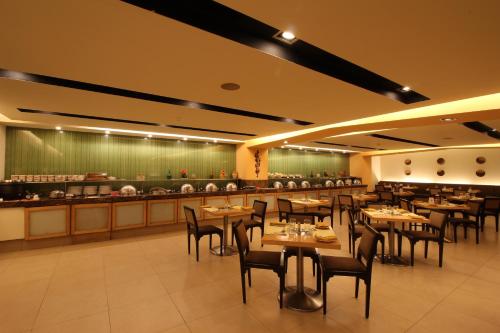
442, 50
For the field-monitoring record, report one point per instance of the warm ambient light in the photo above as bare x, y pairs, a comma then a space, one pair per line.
318, 149
150, 135
185, 139
405, 89
58, 128
285, 142
288, 35
448, 119
107, 132
215, 141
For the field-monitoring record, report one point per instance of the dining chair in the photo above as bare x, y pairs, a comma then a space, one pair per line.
257, 259
435, 191
386, 198
346, 203
466, 222
491, 207
434, 233
379, 188
307, 252
359, 267
326, 210
257, 220
356, 228
406, 205
199, 231
457, 192
284, 207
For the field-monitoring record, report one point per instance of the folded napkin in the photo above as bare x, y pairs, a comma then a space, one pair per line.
323, 225
237, 207
212, 209
325, 236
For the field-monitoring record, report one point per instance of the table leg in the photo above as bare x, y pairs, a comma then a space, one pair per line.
227, 250
391, 258
301, 298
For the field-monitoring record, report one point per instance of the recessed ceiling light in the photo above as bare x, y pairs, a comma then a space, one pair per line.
448, 119
317, 149
150, 135
145, 138
405, 89
107, 132
185, 139
215, 141
282, 147
288, 35
58, 128
285, 142
106, 135
230, 86
301, 148
61, 131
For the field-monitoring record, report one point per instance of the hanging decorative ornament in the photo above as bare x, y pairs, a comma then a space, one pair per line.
257, 163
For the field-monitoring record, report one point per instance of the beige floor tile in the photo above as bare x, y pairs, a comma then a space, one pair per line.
98, 323
234, 319
319, 325
59, 307
178, 329
20, 304
127, 272
153, 315
181, 280
135, 291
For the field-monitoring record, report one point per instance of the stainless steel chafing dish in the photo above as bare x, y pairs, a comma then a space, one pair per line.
329, 183
158, 191
187, 188
278, 185
291, 184
211, 187
356, 182
128, 190
305, 184
231, 186
339, 182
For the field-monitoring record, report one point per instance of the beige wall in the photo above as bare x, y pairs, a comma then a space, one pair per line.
361, 166
460, 166
245, 163
2, 151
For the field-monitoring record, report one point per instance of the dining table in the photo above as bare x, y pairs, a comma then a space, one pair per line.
465, 198
226, 212
393, 216
309, 203
299, 297
403, 193
365, 197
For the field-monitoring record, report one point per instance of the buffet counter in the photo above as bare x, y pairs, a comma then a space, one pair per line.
32, 220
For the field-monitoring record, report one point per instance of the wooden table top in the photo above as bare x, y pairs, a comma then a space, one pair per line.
409, 188
277, 235
447, 206
401, 215
309, 202
403, 194
465, 198
232, 211
364, 197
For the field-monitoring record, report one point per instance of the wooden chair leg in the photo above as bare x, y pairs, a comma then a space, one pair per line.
197, 249
400, 244
313, 266
382, 243
189, 243
367, 299
455, 232
209, 241
465, 231
496, 222
477, 233
350, 245
243, 287
426, 249
412, 252
441, 248
324, 294
318, 278
249, 278
251, 234
282, 287
221, 244
356, 287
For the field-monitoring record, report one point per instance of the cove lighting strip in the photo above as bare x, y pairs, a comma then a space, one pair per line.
159, 134
320, 149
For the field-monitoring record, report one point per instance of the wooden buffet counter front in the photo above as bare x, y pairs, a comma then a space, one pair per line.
30, 220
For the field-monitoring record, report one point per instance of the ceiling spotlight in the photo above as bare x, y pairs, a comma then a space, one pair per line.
289, 148
282, 147
230, 86
58, 128
150, 135
145, 138
185, 139
215, 140
285, 142
106, 135
405, 89
317, 149
300, 148
447, 120
288, 35
61, 132
107, 132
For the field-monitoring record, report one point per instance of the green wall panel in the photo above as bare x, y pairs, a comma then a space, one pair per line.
44, 152
303, 162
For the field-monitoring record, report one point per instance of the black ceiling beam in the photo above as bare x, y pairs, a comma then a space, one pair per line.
223, 21
386, 137
127, 121
66, 83
482, 128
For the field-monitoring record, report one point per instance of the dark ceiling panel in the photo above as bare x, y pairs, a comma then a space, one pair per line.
386, 137
218, 19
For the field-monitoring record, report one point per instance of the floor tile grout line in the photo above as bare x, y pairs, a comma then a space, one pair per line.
469, 276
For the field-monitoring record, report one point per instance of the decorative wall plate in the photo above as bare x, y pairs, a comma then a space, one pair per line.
440, 172
407, 172
407, 161
481, 160
440, 160
480, 173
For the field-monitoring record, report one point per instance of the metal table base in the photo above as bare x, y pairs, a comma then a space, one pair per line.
227, 250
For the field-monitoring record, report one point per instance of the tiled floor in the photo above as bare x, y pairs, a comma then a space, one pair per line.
150, 284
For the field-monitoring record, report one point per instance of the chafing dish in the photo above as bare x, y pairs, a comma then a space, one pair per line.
56, 194
231, 187
329, 183
128, 190
187, 188
211, 187
305, 184
339, 182
158, 191
291, 184
278, 185
356, 182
